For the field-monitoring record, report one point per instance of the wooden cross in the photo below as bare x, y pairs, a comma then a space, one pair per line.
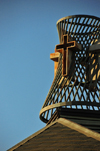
67, 48
66, 43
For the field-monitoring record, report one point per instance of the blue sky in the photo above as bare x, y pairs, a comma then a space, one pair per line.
28, 36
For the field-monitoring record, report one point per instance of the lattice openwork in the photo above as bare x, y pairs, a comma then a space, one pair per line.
81, 88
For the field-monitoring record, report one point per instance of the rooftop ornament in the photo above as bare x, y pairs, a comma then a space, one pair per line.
76, 83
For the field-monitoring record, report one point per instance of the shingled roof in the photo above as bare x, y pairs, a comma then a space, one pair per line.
60, 135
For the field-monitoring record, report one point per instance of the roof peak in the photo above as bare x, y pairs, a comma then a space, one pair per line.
66, 123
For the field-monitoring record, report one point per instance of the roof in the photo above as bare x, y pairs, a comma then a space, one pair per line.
60, 135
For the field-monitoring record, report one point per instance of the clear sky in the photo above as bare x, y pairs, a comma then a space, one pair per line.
28, 35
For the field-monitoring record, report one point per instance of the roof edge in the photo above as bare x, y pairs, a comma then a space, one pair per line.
31, 136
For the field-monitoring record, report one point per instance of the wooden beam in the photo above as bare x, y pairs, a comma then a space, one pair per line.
54, 56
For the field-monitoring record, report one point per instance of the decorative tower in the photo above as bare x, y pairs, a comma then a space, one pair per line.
72, 106
75, 91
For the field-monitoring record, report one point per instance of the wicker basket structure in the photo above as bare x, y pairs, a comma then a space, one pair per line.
81, 88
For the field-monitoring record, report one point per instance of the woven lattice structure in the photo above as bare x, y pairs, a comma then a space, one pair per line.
81, 88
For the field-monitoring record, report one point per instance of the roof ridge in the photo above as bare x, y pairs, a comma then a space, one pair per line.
79, 128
